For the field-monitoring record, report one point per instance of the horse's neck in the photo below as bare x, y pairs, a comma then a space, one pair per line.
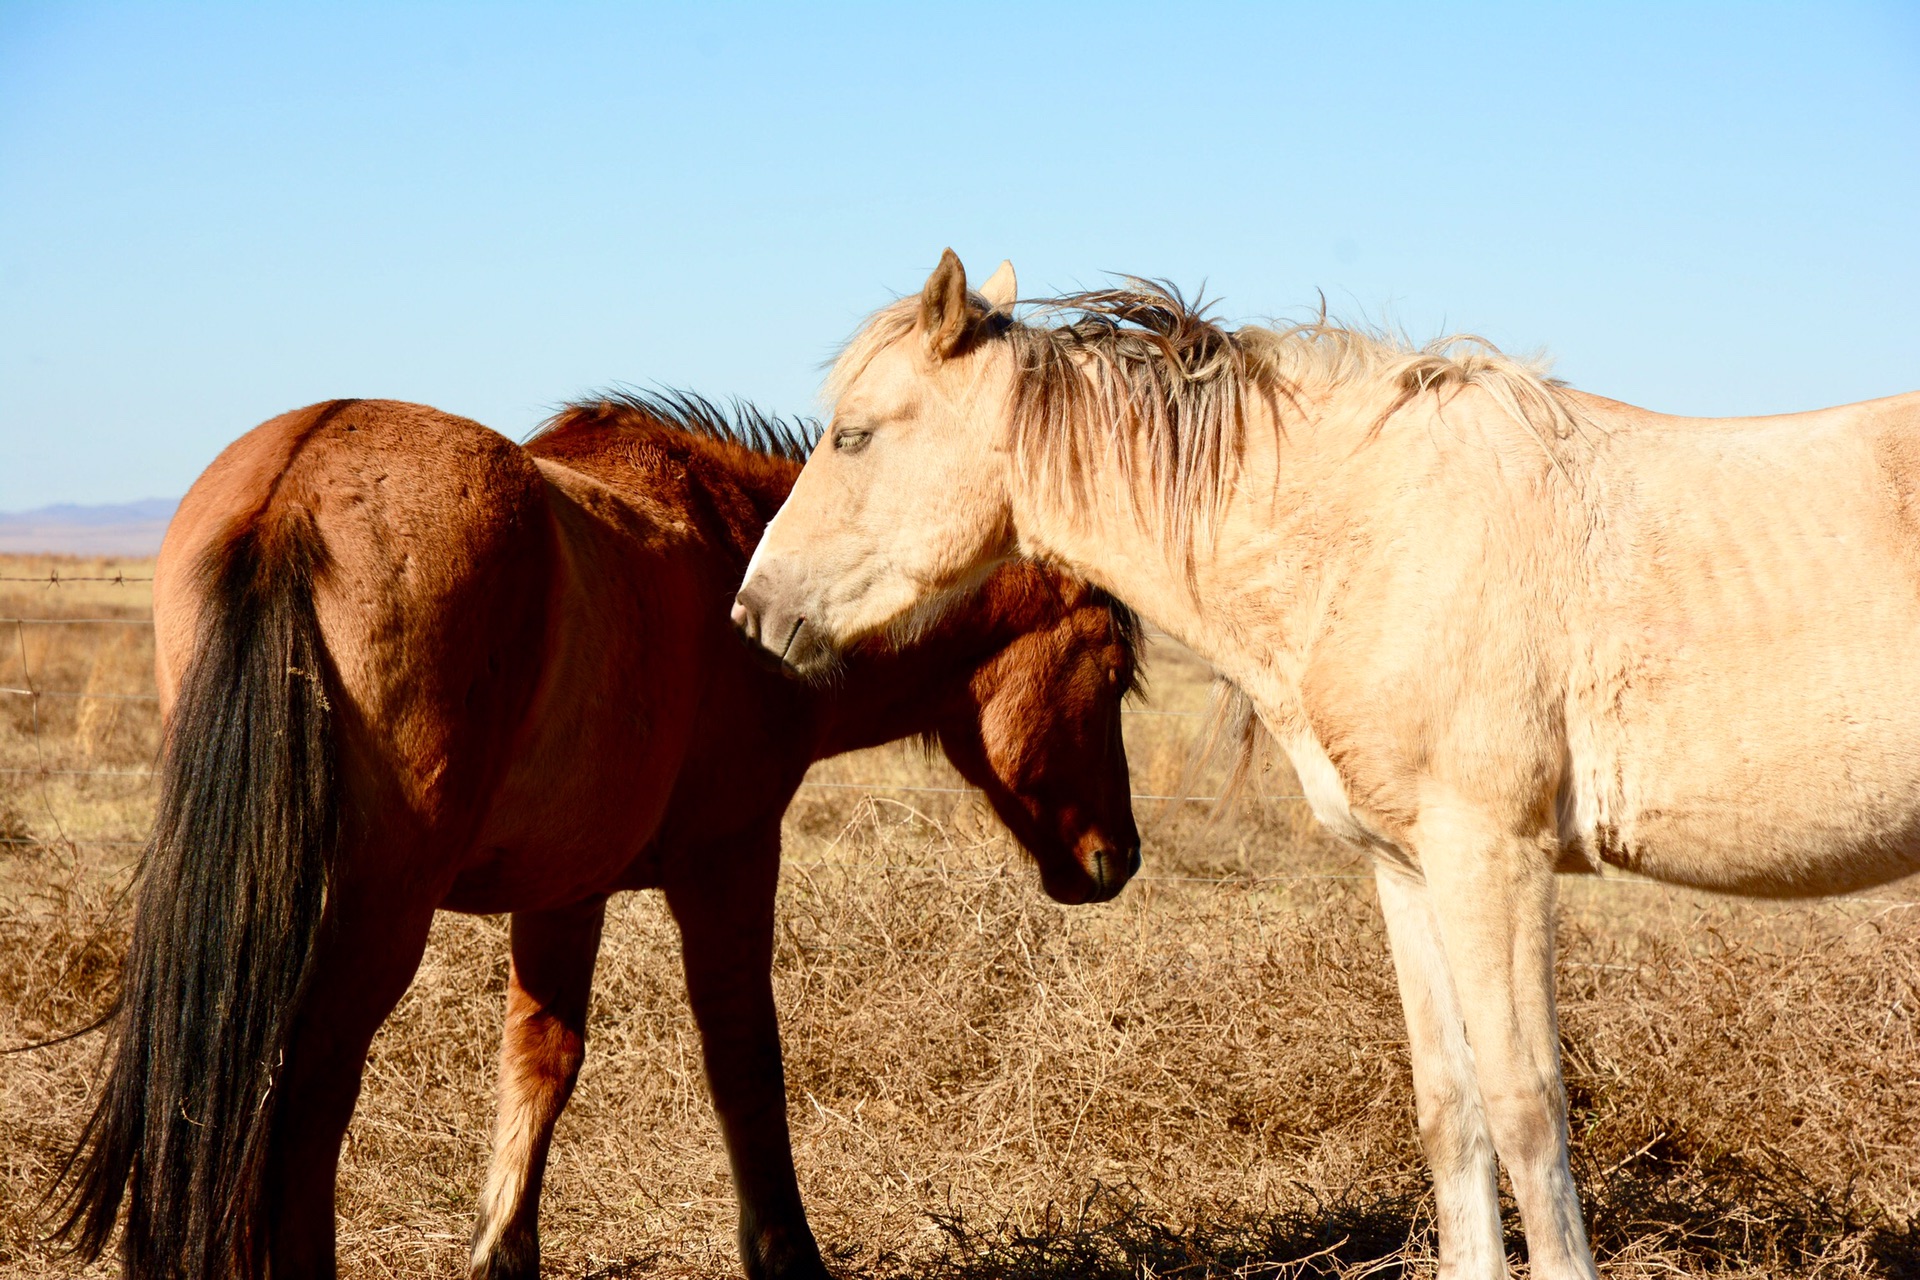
889, 691
883, 695
885, 692
763, 483
728, 491
1333, 508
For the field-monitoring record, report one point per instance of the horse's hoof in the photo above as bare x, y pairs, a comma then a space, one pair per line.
772, 1253
511, 1257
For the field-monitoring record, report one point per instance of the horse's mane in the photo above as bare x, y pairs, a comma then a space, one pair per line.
739, 423
1142, 376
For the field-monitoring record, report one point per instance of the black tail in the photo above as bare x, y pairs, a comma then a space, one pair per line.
233, 887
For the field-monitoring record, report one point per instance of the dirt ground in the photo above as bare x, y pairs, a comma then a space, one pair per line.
1204, 1078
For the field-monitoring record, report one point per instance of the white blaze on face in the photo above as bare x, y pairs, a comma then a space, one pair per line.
760, 547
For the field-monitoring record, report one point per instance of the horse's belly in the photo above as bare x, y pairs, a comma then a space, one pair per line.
570, 820
1778, 770
1822, 838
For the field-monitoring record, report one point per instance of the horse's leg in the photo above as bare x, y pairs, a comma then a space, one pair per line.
540, 1055
371, 946
1453, 1127
1493, 895
722, 898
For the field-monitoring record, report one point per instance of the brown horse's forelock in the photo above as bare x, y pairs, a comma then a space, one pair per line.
739, 422
1028, 611
1126, 631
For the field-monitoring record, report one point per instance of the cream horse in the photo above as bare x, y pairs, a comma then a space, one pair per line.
1501, 629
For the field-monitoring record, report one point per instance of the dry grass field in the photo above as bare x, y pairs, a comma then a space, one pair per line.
1205, 1078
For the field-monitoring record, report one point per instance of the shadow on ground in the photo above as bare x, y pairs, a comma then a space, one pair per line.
1111, 1237
1662, 1215
1734, 1220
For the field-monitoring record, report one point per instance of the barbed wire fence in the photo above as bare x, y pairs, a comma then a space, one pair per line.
30, 690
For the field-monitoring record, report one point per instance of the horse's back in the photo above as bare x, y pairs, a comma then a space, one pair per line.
1746, 698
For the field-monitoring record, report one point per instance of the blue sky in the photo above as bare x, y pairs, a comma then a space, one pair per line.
210, 214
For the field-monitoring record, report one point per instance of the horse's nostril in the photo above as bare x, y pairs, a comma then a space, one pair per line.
1112, 868
746, 614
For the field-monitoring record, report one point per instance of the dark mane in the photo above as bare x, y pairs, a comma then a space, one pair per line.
739, 423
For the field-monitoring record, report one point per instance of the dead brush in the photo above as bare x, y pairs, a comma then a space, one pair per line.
1205, 1078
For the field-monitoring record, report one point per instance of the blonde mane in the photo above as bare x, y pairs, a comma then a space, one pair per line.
1140, 375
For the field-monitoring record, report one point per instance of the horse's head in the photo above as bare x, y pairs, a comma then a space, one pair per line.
905, 501
1036, 726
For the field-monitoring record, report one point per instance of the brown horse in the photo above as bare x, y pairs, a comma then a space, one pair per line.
407, 665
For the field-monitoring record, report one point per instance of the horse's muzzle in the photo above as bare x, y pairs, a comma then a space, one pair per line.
782, 634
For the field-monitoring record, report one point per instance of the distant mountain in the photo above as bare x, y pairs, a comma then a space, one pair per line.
114, 529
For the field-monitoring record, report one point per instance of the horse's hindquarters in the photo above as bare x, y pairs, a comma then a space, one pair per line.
431, 593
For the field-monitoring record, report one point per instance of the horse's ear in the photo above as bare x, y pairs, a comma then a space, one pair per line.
944, 314
1001, 289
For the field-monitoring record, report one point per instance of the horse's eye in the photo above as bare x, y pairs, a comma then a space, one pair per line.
851, 440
